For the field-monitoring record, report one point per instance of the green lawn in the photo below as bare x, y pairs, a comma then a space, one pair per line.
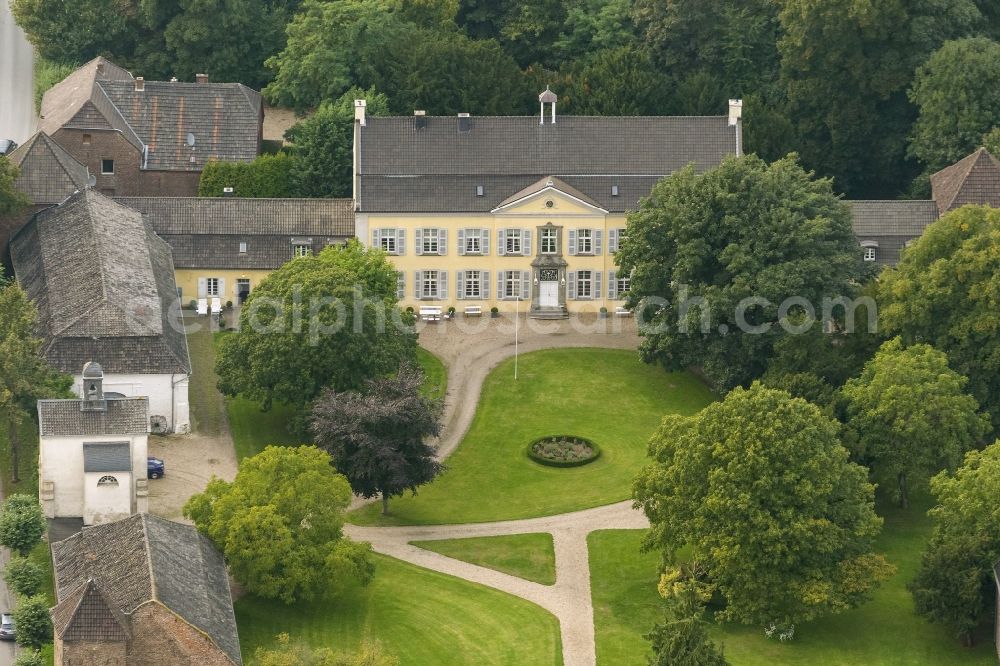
883, 632
528, 556
435, 374
208, 409
609, 396
421, 616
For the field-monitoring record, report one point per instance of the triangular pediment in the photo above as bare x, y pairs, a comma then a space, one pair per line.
549, 196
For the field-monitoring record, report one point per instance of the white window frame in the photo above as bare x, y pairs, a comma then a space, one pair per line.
585, 241
387, 241
430, 277
212, 287
513, 242
301, 250
870, 253
550, 237
622, 285
431, 241
243, 248
472, 278
474, 241
582, 282
511, 285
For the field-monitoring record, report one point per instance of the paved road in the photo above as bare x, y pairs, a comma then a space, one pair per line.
17, 105
569, 599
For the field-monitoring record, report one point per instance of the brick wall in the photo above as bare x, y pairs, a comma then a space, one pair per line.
89, 653
104, 145
161, 637
169, 183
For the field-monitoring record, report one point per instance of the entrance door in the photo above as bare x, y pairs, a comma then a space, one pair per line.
548, 294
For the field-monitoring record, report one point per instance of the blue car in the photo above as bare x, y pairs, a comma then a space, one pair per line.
154, 468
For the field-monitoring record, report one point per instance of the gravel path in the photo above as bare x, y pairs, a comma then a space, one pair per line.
569, 599
470, 349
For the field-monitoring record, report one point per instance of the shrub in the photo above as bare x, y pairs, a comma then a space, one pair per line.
21, 523
29, 658
23, 576
34, 625
563, 451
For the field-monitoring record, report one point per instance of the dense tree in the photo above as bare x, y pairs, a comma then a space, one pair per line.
318, 321
614, 82
288, 653
991, 141
79, 31
703, 244
731, 44
377, 436
944, 293
11, 200
682, 638
759, 490
954, 585
594, 25
23, 576
908, 416
21, 523
25, 377
958, 94
327, 44
323, 144
267, 177
279, 525
33, 622
846, 67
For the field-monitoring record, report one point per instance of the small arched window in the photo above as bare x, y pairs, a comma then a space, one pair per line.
107, 481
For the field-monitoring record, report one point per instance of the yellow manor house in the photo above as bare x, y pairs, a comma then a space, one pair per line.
477, 212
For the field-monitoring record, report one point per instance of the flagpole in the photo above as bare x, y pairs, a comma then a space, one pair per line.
517, 317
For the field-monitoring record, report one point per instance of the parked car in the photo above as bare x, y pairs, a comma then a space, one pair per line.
7, 146
7, 627
154, 468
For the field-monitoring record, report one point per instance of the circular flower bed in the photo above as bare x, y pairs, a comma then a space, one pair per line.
563, 451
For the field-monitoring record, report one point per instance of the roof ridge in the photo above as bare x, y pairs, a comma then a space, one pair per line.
149, 557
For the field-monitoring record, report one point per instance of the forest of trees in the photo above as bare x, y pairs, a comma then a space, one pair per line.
855, 88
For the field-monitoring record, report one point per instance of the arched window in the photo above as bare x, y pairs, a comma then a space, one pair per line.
107, 481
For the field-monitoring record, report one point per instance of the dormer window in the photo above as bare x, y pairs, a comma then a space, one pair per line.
479, 190
243, 248
869, 250
614, 190
870, 254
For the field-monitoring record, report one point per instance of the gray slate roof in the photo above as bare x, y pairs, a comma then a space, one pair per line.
144, 558
48, 173
87, 614
225, 118
891, 224
107, 457
123, 417
206, 232
437, 168
104, 286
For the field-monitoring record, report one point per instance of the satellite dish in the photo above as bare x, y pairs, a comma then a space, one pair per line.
91, 180
190, 139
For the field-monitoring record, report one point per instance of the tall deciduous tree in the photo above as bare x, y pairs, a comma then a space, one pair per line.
909, 416
21, 523
323, 144
846, 66
614, 82
377, 436
318, 321
944, 293
957, 92
25, 377
760, 491
279, 525
954, 585
703, 243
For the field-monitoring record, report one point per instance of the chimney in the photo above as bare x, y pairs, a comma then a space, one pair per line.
227, 191
464, 123
735, 111
93, 389
140, 84
201, 78
359, 111
419, 119
547, 97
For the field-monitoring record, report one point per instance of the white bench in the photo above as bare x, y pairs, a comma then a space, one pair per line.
430, 313
203, 306
622, 311
473, 310
216, 305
